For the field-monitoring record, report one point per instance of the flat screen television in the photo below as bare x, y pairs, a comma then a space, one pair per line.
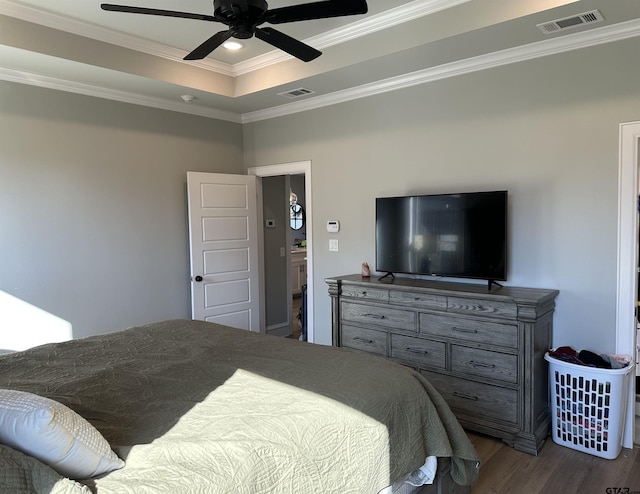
453, 235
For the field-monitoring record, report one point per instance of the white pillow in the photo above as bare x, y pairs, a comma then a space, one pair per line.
55, 435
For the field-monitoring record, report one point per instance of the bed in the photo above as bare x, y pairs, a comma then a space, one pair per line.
195, 407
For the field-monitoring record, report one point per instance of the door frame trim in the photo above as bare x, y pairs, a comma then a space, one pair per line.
629, 161
294, 168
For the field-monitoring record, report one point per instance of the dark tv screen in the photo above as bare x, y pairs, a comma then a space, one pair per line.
454, 235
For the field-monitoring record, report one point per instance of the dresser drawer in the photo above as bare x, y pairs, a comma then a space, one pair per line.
379, 315
418, 351
367, 340
478, 362
481, 307
468, 329
366, 293
477, 399
419, 300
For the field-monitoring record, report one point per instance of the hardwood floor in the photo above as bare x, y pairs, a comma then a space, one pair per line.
556, 469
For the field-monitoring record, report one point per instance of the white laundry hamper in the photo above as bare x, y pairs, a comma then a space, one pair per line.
588, 406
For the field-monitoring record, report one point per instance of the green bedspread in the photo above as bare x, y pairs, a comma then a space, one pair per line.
196, 407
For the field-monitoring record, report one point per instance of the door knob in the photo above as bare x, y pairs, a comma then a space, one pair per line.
198, 278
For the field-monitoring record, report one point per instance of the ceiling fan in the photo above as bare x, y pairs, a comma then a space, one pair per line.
244, 16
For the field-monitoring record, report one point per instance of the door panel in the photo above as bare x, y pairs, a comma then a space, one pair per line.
240, 319
226, 261
223, 195
223, 234
221, 229
225, 293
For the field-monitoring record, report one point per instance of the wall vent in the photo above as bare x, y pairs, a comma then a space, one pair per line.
296, 93
570, 22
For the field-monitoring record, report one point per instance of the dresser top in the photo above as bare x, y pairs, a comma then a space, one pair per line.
448, 288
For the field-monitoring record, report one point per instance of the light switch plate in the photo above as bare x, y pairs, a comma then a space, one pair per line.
333, 244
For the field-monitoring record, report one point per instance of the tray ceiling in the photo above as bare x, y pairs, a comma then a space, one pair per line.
73, 45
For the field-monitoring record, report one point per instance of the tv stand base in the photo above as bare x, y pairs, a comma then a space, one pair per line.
490, 284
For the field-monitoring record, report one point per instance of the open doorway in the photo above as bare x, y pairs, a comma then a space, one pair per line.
298, 173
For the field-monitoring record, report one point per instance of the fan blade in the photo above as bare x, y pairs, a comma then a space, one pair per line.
316, 10
165, 13
208, 46
286, 43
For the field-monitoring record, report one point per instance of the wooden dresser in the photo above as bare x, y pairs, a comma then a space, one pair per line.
482, 349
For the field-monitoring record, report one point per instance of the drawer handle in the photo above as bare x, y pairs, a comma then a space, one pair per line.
465, 396
374, 316
483, 365
419, 351
363, 340
465, 330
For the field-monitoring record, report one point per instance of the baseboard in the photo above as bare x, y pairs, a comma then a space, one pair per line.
279, 330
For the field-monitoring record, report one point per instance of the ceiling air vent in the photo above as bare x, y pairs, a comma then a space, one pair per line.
570, 22
296, 93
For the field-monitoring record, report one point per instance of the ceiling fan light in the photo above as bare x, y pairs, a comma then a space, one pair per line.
233, 45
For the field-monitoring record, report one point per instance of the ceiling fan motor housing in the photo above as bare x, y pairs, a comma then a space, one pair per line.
229, 11
242, 17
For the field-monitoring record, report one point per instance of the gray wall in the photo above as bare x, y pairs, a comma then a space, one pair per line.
546, 130
275, 195
92, 192
93, 219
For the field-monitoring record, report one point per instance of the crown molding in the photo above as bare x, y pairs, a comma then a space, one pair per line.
371, 24
389, 18
47, 82
74, 26
607, 34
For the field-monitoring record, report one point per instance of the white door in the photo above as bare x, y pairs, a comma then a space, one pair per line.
223, 235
